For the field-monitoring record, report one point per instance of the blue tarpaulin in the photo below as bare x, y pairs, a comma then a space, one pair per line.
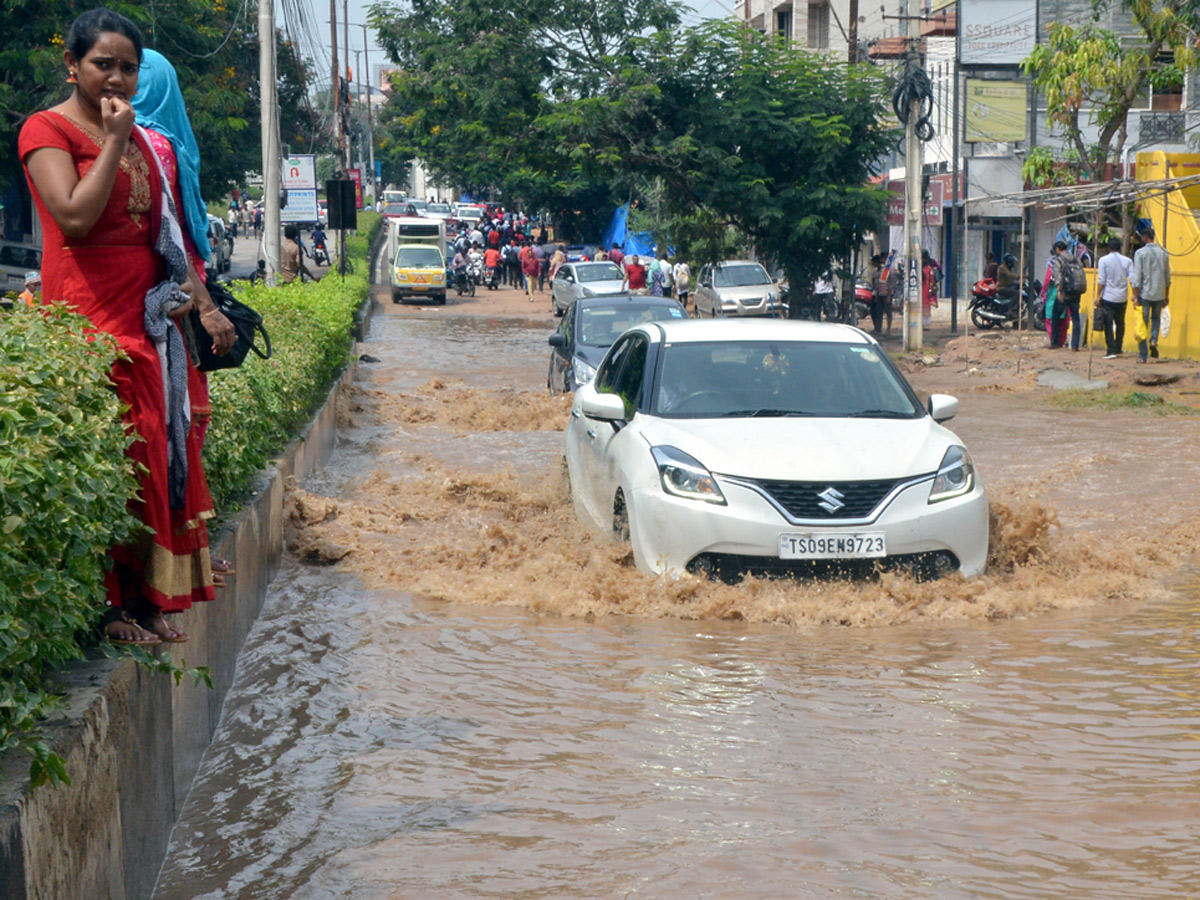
638, 243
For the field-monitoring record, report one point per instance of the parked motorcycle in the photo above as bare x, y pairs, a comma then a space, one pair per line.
862, 300
990, 310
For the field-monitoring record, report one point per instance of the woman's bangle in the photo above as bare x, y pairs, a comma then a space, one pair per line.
209, 312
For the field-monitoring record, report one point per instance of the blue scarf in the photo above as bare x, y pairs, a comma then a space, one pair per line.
159, 107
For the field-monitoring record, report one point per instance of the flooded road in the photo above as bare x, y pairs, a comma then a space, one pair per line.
478, 700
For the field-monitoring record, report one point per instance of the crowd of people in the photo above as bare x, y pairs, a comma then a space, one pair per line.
526, 256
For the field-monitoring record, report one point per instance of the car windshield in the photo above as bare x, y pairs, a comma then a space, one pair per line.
597, 272
396, 209
418, 258
599, 326
741, 275
438, 208
780, 378
470, 212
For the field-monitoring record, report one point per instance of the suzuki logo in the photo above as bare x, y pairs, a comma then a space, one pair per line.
831, 500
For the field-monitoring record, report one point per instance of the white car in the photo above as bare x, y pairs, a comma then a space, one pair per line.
771, 446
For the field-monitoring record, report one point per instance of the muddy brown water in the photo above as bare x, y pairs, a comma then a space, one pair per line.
453, 692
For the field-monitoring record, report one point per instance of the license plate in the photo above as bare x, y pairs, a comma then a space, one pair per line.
852, 545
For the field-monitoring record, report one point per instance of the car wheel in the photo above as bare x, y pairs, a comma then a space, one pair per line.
396, 298
440, 299
620, 518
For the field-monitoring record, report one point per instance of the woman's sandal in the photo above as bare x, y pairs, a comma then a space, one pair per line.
164, 630
118, 622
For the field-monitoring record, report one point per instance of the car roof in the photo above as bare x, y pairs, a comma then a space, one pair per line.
593, 262
751, 329
617, 299
738, 262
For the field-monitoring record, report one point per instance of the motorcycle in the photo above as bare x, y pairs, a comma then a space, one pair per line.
320, 255
862, 300
474, 274
491, 278
462, 281
990, 310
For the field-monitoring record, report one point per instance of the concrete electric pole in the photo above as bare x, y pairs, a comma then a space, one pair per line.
913, 201
270, 135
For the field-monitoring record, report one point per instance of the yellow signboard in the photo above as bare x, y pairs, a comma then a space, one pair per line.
996, 110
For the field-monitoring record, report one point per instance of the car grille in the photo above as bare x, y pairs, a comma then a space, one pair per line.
816, 500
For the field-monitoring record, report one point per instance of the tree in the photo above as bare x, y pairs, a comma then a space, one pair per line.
1091, 76
215, 52
744, 132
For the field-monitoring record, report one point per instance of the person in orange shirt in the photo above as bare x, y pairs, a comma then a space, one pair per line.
33, 286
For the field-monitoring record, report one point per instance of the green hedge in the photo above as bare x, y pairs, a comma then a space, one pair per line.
64, 478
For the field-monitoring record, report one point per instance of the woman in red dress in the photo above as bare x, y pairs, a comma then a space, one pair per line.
98, 193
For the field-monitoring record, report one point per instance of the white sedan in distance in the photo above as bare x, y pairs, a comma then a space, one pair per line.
774, 447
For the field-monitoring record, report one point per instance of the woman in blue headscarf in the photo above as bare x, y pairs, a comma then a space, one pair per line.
160, 111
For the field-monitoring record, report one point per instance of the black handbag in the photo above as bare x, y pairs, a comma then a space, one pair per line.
247, 323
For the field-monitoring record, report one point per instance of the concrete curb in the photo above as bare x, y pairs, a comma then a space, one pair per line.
132, 741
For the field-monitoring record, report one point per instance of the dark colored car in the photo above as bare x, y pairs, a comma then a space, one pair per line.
590, 327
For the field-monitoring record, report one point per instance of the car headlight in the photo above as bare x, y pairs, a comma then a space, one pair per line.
684, 476
582, 371
955, 476
401, 276
439, 278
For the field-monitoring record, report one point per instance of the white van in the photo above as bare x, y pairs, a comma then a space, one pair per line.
414, 230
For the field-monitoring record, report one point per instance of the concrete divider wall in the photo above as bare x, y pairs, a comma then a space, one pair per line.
132, 741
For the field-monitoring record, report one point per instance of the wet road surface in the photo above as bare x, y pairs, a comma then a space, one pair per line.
382, 744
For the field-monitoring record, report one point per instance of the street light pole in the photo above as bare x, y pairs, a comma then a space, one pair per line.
370, 122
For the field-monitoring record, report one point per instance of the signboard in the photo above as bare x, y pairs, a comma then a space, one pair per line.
356, 177
298, 176
996, 32
931, 213
996, 111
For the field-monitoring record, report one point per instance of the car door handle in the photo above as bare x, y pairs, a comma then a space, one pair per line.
575, 414
592, 433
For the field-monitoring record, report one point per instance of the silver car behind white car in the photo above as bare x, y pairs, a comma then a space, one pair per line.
736, 287
771, 446
574, 281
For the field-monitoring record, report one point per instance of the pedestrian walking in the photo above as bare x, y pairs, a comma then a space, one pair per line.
543, 264
931, 275
616, 255
635, 276
1150, 278
1112, 292
682, 276
668, 277
1071, 282
530, 266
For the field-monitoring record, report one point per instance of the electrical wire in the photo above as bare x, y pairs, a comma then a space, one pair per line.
914, 96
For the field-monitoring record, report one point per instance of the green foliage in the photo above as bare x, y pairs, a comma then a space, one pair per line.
1091, 78
64, 483
1126, 399
213, 46
65, 479
257, 408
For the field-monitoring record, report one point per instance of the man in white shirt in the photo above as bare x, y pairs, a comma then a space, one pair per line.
1112, 289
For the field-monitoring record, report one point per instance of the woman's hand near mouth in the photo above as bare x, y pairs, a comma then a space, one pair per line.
117, 116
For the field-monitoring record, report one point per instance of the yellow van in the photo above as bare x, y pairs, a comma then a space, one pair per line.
418, 270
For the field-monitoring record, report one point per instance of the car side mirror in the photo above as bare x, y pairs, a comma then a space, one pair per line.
605, 407
569, 279
558, 339
942, 407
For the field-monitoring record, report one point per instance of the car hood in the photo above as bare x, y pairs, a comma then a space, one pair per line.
795, 449
596, 288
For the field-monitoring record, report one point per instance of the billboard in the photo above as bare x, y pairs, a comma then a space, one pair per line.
356, 177
996, 111
996, 32
299, 178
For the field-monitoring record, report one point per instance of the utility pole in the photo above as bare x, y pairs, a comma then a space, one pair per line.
913, 201
346, 44
370, 123
270, 135
852, 36
337, 85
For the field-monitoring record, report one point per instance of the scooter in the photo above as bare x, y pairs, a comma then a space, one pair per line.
320, 255
491, 278
990, 310
862, 299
